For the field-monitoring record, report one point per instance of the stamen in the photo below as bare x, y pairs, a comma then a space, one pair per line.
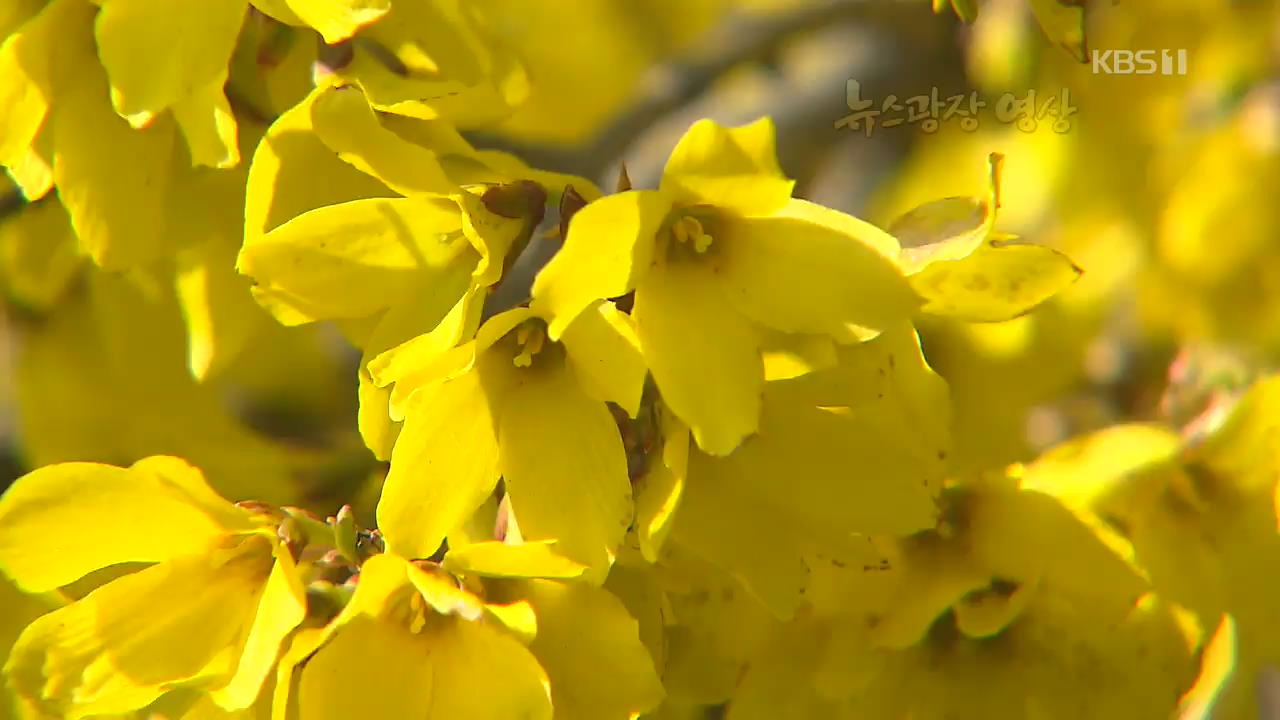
417, 614
688, 230
530, 338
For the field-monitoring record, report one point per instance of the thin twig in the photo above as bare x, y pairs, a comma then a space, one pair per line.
737, 40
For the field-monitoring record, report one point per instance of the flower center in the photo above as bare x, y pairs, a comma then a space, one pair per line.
530, 338
688, 230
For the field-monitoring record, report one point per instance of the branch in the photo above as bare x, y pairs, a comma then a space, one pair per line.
737, 40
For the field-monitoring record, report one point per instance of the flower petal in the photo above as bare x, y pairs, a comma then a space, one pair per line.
131, 640
735, 168
337, 20
809, 269
498, 559
658, 493
451, 668
38, 258
285, 165
33, 62
443, 466
609, 247
994, 283
357, 258
704, 356
604, 352
459, 669
590, 647
436, 355
155, 56
63, 521
281, 608
565, 467
346, 124
209, 125
113, 179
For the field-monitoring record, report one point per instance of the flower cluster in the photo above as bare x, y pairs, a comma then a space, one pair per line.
600, 453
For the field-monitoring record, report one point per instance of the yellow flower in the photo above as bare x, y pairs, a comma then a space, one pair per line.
514, 404
209, 611
498, 630
410, 642
119, 344
859, 447
718, 251
389, 268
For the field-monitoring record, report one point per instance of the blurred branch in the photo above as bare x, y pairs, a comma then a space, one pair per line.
11, 202
737, 40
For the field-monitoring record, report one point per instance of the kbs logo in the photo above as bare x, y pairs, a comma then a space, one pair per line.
1139, 62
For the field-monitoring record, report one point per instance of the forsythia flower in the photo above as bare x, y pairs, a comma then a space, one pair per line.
859, 446
516, 405
409, 642
718, 251
389, 268
498, 631
210, 611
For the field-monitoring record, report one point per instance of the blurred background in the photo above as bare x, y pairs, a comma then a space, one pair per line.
1162, 187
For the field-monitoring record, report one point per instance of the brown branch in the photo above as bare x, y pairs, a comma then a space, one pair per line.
737, 40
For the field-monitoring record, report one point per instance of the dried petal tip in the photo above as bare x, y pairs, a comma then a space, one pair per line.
517, 200
570, 203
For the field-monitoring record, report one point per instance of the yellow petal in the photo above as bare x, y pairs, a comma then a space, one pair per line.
156, 56
38, 256
658, 493
337, 20
354, 259
30, 61
63, 521
723, 525
1063, 23
994, 283
444, 465
220, 313
1217, 667
442, 669
951, 228
565, 467
126, 643
23, 96
734, 168
604, 352
870, 436
346, 124
113, 179
704, 356
443, 352
498, 559
32, 172
590, 647
459, 669
809, 269
285, 165
446, 309
449, 68
281, 608
608, 249
788, 355
207, 122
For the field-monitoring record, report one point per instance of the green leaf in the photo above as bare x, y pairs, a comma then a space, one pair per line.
995, 283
